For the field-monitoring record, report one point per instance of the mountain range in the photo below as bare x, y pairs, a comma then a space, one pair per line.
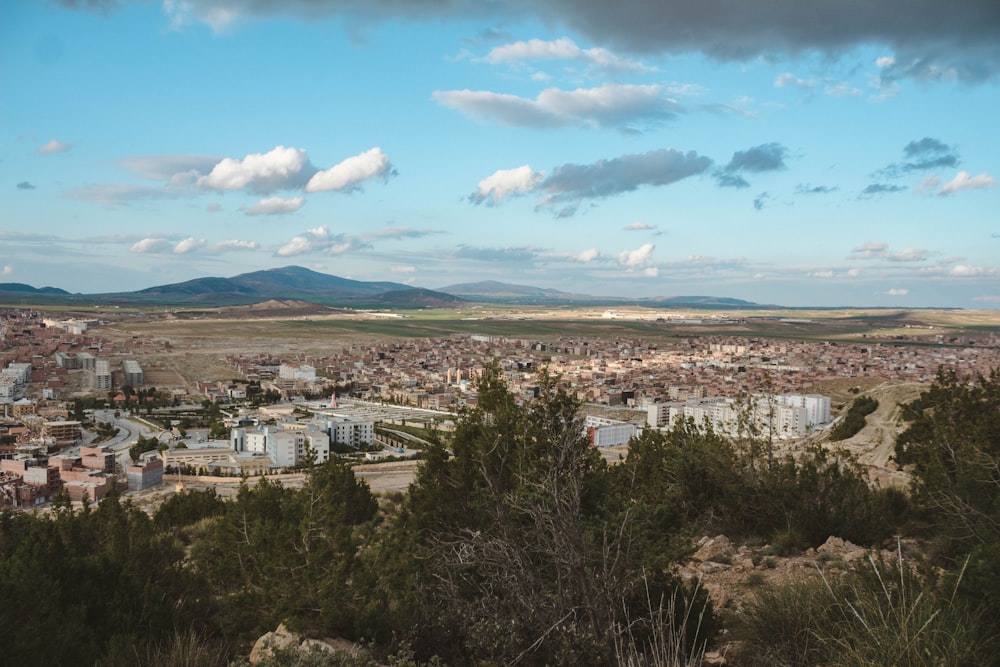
301, 284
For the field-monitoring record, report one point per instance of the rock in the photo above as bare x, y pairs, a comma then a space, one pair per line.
284, 639
841, 548
712, 548
265, 646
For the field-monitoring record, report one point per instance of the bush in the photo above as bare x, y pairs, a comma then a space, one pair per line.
880, 614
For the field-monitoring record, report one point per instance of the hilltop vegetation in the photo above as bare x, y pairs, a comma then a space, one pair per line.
520, 545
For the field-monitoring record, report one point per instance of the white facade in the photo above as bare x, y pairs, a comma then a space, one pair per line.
102, 374
350, 431
133, 373
608, 432
300, 373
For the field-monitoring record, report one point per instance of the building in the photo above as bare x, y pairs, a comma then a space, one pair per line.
64, 433
351, 431
102, 374
133, 373
603, 432
145, 474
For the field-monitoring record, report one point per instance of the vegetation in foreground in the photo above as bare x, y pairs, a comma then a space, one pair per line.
522, 546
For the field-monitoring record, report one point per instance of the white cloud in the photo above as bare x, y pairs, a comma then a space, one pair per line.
821, 274
853, 273
563, 49
495, 188
585, 256
965, 181
651, 272
885, 61
402, 269
789, 80
150, 245
276, 206
189, 244
841, 90
907, 255
279, 168
55, 146
612, 104
638, 225
234, 244
6, 270
636, 258
317, 239
350, 173
898, 292
969, 271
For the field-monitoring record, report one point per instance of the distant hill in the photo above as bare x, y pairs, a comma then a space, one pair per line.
298, 284
289, 283
498, 292
21, 288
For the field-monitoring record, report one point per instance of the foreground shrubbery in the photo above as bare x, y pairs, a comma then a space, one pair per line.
521, 545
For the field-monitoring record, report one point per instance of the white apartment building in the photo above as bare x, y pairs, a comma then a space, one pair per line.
604, 432
352, 431
286, 448
133, 373
781, 416
297, 372
102, 374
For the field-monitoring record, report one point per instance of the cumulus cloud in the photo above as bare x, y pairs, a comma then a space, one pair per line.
609, 105
349, 174
6, 270
190, 244
231, 245
55, 146
25, 185
563, 48
317, 239
896, 291
636, 258
276, 206
757, 159
495, 188
638, 226
965, 181
278, 169
150, 245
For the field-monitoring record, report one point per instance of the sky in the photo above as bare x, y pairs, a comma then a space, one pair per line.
801, 154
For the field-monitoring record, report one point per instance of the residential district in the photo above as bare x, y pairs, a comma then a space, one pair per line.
278, 411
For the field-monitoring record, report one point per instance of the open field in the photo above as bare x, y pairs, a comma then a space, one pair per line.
897, 326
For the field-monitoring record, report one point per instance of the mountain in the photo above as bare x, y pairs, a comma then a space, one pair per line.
497, 292
296, 283
286, 283
21, 288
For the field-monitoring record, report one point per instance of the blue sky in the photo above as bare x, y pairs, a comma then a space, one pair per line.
762, 152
